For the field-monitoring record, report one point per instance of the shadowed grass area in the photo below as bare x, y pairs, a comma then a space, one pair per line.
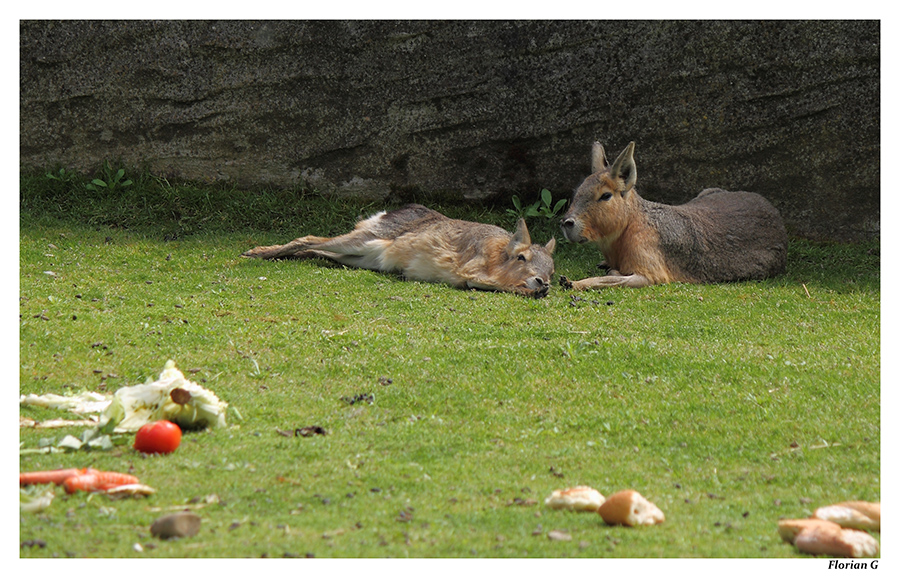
725, 405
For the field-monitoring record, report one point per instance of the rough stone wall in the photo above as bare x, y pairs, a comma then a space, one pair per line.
470, 110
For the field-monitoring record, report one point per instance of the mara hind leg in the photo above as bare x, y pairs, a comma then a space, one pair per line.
358, 261
347, 244
290, 250
359, 248
363, 244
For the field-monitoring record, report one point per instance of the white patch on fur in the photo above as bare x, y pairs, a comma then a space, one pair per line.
371, 255
427, 267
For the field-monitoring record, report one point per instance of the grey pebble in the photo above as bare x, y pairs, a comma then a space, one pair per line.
178, 525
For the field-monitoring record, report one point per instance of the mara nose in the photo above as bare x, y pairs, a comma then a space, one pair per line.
541, 287
567, 223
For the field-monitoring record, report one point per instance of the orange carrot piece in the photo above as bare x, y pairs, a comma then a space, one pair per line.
74, 479
48, 477
97, 481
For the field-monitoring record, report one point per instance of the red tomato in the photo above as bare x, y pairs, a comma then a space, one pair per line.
158, 437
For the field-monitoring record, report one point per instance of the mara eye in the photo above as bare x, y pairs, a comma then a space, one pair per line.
605, 196
521, 257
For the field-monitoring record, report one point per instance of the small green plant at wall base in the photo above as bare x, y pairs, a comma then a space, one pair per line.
61, 176
543, 207
110, 181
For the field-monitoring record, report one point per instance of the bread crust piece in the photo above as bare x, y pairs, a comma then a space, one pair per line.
836, 541
857, 515
790, 529
629, 508
579, 499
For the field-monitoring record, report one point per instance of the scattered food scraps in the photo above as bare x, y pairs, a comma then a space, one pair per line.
91, 439
56, 423
855, 515
75, 479
836, 541
158, 437
171, 397
790, 529
193, 407
129, 490
629, 508
180, 396
579, 499
48, 476
35, 499
97, 481
836, 530
84, 402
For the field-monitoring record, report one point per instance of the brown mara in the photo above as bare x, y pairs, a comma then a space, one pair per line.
424, 245
719, 236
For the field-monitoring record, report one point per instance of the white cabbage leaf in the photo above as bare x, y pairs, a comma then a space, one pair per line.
171, 397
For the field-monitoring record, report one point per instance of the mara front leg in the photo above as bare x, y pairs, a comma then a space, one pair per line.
537, 288
614, 279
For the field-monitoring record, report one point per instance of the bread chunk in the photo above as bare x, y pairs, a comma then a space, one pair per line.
836, 541
790, 529
856, 515
579, 499
629, 508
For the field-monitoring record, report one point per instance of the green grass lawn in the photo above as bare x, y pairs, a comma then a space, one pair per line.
725, 405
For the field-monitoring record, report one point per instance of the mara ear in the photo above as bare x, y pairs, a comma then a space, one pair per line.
551, 245
598, 158
624, 168
520, 237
